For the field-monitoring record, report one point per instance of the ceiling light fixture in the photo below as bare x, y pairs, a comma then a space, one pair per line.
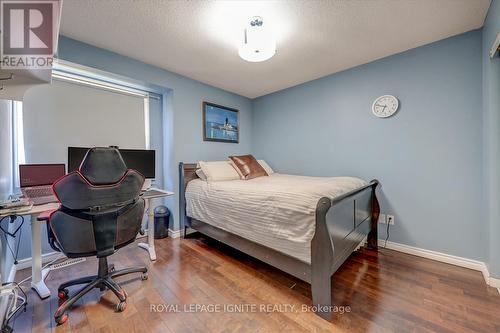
258, 42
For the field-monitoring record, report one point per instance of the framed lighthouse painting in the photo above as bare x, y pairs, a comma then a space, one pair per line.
220, 123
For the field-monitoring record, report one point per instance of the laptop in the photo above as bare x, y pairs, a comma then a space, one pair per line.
36, 181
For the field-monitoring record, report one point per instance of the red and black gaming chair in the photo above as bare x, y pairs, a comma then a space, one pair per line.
101, 211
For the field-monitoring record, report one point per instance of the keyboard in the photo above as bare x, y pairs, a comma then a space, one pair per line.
39, 191
43, 200
39, 195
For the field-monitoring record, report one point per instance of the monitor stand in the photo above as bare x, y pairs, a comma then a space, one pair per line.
147, 184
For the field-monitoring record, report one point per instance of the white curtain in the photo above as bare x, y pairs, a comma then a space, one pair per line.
6, 146
6, 179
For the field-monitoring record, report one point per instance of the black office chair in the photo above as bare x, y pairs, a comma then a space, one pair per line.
101, 211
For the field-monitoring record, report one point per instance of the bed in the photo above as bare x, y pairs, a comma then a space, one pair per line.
304, 226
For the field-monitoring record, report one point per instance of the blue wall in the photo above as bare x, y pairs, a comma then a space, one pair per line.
428, 156
491, 102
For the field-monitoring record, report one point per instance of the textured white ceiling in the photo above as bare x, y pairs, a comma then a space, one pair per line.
199, 39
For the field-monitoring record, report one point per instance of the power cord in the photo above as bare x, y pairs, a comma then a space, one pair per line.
13, 219
19, 230
16, 302
387, 235
6, 328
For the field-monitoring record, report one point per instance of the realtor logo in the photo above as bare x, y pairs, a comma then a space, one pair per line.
28, 33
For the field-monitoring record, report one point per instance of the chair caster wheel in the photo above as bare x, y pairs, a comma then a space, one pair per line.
7, 329
144, 276
120, 307
61, 319
63, 294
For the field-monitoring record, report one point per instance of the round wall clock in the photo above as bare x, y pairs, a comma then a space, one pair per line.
385, 106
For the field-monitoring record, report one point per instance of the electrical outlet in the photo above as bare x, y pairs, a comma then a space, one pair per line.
390, 219
382, 219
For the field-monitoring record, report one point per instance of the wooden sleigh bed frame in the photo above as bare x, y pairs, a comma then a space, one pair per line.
342, 223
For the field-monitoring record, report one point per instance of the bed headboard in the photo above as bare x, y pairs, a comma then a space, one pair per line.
187, 172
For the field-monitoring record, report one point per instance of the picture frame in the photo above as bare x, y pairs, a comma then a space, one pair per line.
220, 123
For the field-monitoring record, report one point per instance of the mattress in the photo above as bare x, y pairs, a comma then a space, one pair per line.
277, 211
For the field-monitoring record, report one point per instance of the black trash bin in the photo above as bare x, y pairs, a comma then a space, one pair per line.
162, 215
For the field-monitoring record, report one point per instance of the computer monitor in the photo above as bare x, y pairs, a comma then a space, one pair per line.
40, 174
75, 157
141, 160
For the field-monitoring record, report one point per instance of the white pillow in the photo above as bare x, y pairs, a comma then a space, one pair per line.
266, 167
201, 174
218, 171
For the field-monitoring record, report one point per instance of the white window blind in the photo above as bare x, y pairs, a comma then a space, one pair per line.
6, 162
67, 113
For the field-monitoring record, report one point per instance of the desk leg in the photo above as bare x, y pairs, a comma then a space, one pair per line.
150, 245
37, 276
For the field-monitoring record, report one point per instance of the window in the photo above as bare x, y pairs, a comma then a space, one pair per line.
12, 143
83, 111
81, 108
19, 156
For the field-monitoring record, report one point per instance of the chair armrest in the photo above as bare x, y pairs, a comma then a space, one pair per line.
45, 216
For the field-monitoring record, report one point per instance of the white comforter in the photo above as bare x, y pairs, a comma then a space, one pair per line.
277, 211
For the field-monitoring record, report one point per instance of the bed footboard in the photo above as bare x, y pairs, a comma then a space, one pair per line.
341, 225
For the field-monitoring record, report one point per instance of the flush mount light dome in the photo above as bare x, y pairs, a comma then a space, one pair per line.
258, 42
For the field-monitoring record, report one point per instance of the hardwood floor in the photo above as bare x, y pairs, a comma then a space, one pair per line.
386, 292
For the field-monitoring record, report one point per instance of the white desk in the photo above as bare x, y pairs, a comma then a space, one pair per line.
38, 275
154, 193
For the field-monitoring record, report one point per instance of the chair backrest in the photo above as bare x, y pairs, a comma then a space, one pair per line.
101, 208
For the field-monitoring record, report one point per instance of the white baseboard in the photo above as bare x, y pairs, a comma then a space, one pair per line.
172, 233
494, 282
438, 256
175, 233
46, 257
179, 233
446, 258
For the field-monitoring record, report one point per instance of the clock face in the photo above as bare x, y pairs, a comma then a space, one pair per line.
385, 106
